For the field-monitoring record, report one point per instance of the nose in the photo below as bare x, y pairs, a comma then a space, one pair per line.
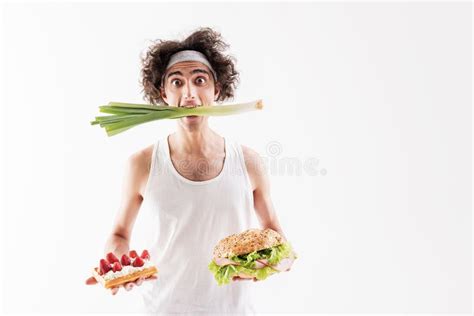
189, 93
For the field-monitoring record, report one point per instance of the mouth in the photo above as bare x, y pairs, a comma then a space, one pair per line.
190, 106
191, 118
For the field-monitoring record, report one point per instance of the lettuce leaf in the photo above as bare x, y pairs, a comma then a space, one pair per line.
279, 252
224, 274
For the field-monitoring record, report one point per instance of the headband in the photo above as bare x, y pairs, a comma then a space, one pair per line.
190, 55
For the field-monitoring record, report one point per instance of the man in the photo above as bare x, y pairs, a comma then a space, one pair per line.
200, 186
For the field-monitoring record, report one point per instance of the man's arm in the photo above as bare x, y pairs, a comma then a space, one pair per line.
133, 186
260, 182
262, 201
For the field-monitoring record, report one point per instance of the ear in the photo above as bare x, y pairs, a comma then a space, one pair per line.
217, 92
163, 94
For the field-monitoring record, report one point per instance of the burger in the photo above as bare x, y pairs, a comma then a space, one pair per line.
252, 254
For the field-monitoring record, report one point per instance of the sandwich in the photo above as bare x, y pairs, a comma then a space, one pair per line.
252, 254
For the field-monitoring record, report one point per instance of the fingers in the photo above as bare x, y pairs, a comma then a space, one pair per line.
139, 281
91, 281
129, 286
237, 278
151, 278
114, 290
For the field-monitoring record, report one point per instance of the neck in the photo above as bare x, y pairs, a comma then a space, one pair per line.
201, 141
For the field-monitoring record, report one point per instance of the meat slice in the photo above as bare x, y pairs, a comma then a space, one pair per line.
224, 262
260, 263
284, 264
244, 276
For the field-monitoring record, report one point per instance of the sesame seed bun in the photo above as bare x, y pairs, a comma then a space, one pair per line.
246, 242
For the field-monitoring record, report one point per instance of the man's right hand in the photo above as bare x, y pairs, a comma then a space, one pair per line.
127, 286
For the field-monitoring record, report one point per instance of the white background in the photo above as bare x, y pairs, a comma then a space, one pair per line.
378, 94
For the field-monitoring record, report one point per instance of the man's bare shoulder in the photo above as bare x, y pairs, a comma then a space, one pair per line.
250, 155
139, 167
141, 156
254, 164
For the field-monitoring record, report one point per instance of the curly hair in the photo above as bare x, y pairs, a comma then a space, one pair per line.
204, 40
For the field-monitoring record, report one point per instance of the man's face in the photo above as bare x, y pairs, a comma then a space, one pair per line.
189, 84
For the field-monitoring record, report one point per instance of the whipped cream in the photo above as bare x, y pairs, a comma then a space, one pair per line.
126, 270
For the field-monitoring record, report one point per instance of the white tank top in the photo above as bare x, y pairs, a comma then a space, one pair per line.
190, 218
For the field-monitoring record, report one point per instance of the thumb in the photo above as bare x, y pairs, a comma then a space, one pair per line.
91, 281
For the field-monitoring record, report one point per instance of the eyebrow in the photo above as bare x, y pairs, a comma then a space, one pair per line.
195, 71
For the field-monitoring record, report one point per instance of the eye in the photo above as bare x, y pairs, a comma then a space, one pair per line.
176, 82
200, 80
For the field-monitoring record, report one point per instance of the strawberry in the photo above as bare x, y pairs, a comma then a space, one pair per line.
145, 255
138, 262
116, 266
111, 258
125, 260
104, 267
133, 254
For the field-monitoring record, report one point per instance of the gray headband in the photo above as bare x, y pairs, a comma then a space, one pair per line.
190, 55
